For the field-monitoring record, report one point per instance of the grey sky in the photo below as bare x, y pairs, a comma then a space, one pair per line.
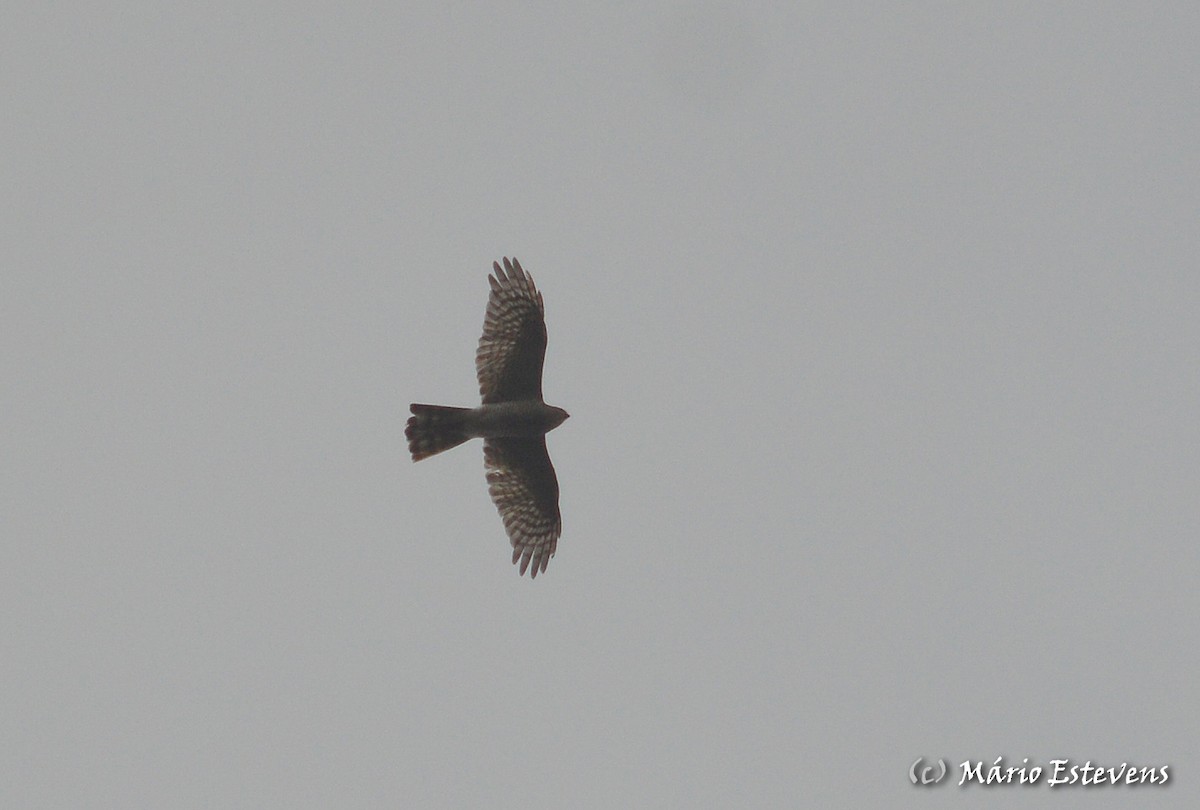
876, 324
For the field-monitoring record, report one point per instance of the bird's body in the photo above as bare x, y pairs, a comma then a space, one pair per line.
512, 420
525, 418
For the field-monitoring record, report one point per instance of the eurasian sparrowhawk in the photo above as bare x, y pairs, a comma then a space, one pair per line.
512, 421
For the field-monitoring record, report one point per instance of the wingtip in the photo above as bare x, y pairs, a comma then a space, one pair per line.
510, 270
526, 560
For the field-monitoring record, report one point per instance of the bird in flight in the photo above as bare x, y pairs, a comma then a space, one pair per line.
513, 419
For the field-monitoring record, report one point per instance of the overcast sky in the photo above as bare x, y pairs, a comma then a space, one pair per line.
877, 324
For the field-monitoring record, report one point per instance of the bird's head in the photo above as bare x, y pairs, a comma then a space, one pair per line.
558, 416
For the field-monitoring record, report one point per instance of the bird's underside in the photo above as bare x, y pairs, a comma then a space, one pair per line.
512, 419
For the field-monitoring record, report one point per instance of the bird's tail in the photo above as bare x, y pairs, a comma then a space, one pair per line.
434, 428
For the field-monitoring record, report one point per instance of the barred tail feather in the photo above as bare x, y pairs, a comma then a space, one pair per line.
434, 428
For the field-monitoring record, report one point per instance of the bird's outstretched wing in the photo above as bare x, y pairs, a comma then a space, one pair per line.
509, 359
523, 486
